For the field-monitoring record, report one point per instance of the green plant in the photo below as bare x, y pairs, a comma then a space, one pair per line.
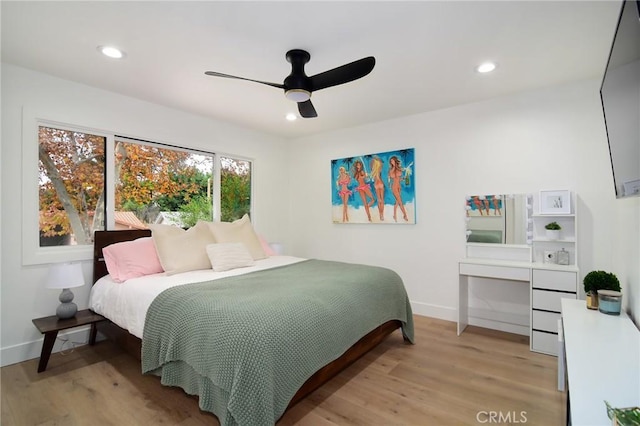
600, 280
553, 226
624, 416
198, 208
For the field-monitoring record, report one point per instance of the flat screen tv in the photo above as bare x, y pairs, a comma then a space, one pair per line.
620, 95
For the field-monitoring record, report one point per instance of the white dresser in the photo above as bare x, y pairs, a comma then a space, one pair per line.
548, 287
512, 265
602, 354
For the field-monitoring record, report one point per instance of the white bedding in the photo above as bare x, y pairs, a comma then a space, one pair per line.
126, 303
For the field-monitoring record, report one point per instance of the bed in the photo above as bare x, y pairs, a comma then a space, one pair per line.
250, 374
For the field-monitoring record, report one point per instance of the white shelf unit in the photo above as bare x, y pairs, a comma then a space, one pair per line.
551, 282
541, 243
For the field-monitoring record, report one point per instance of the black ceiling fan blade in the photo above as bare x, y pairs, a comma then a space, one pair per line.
307, 110
219, 74
343, 74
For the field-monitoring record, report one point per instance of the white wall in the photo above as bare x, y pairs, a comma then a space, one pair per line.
546, 139
23, 295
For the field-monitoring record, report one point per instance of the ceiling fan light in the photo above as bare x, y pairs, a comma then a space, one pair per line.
297, 95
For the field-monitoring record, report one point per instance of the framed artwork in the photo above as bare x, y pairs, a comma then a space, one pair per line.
555, 202
374, 188
484, 205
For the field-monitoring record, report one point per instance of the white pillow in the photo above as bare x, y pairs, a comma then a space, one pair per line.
239, 231
226, 256
180, 250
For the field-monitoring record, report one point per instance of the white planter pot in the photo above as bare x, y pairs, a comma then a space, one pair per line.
553, 234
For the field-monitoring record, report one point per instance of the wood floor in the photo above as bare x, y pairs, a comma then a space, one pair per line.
441, 380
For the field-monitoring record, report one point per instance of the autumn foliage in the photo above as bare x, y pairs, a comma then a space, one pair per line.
71, 182
149, 179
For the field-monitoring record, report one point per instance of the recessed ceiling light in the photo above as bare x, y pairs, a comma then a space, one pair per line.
486, 67
292, 117
111, 52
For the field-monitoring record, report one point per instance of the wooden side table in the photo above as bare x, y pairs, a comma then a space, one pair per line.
50, 326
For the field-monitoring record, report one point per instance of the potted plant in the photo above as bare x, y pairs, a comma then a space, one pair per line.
553, 230
598, 280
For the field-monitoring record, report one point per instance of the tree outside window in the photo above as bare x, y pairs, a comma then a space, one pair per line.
163, 185
71, 186
235, 188
153, 184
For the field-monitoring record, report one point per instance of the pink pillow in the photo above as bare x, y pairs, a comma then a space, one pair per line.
268, 250
132, 259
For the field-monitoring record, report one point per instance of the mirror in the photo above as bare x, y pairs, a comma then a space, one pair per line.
497, 218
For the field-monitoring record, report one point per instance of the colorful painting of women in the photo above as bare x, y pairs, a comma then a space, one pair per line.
384, 180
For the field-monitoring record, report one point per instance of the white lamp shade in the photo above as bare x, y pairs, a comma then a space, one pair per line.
65, 275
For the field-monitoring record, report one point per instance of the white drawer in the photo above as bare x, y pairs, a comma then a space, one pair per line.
493, 271
554, 280
546, 343
549, 300
547, 321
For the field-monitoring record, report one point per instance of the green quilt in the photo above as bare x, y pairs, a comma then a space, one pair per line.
246, 344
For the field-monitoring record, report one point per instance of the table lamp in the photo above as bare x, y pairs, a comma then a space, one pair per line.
65, 276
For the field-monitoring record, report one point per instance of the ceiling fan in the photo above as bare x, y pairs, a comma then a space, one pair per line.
298, 86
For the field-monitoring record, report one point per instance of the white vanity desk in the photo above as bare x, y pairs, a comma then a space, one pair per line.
547, 284
510, 270
602, 362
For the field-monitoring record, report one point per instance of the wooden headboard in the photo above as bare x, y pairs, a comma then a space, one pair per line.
101, 239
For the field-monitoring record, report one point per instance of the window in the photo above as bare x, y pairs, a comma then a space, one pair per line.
83, 180
159, 184
235, 188
71, 186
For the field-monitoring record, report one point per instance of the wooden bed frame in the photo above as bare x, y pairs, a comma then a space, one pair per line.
133, 344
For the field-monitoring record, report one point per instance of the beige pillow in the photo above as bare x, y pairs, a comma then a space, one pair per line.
226, 256
239, 231
180, 250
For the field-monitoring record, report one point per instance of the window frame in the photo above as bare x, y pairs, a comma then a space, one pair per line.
32, 252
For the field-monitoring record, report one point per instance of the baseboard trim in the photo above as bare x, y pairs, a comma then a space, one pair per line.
30, 350
435, 311
500, 326
511, 322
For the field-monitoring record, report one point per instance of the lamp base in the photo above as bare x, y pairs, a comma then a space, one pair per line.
67, 309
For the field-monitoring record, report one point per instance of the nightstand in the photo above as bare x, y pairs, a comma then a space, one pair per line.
50, 326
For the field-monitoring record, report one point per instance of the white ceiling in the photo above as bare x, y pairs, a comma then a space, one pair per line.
425, 52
